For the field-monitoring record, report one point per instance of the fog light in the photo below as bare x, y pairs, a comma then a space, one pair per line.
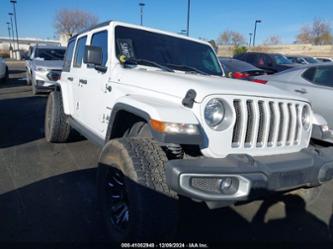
229, 185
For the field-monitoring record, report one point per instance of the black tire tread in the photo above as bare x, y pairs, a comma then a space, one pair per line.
59, 129
149, 161
154, 206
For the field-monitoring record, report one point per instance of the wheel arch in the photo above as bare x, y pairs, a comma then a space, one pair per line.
124, 115
65, 98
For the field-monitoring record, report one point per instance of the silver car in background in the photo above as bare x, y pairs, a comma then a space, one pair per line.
44, 65
312, 81
3, 71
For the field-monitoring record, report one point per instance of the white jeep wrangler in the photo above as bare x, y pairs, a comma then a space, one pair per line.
171, 126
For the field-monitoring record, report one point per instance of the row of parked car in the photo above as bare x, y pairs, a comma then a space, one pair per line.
312, 79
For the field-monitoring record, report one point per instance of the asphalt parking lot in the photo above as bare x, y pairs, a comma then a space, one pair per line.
47, 191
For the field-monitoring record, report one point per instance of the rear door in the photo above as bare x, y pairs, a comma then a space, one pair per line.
67, 77
77, 71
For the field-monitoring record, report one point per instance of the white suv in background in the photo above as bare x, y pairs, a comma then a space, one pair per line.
44, 65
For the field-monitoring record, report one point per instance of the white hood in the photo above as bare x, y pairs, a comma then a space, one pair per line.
178, 83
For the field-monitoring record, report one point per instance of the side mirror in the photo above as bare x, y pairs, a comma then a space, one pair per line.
94, 56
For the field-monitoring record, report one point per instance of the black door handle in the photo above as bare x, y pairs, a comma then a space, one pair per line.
70, 78
302, 91
83, 81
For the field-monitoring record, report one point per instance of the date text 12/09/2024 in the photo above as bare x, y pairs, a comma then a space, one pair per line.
164, 245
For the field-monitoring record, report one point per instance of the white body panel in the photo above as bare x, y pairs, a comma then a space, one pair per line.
160, 94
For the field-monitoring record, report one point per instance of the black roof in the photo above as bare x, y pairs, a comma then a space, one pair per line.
106, 23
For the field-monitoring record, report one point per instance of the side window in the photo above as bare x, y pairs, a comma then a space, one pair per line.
251, 58
69, 56
268, 60
309, 74
79, 51
260, 60
100, 39
324, 76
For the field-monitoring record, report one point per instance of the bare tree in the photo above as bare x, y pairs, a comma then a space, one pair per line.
69, 22
229, 37
273, 40
319, 33
304, 36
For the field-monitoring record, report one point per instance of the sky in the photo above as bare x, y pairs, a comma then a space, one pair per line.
208, 18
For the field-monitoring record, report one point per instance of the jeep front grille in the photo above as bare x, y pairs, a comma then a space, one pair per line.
266, 123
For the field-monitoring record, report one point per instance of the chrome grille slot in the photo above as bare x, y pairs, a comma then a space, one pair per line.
260, 138
236, 137
250, 123
281, 125
261, 123
272, 124
298, 125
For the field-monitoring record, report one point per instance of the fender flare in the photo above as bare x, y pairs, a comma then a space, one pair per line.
195, 139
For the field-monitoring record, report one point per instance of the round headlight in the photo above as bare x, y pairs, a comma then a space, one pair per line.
214, 112
306, 117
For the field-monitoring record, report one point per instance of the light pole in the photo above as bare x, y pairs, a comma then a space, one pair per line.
250, 34
11, 22
10, 38
255, 31
141, 12
17, 40
188, 17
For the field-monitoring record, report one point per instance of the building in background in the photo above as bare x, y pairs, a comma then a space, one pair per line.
25, 43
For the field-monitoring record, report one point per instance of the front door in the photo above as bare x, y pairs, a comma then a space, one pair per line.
94, 88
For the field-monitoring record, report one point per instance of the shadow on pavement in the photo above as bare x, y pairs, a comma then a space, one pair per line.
22, 120
58, 209
63, 209
298, 225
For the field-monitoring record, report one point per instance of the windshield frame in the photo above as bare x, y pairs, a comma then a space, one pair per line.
174, 36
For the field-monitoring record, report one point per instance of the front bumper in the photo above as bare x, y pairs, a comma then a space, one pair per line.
201, 179
322, 133
43, 82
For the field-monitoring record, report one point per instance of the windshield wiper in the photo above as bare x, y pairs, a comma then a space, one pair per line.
148, 63
187, 68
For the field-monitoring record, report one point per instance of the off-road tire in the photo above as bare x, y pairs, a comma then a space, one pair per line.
152, 205
57, 128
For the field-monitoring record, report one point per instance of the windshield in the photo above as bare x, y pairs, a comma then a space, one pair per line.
169, 51
50, 54
280, 59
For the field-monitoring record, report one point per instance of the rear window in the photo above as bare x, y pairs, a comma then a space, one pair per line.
320, 75
237, 66
69, 55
